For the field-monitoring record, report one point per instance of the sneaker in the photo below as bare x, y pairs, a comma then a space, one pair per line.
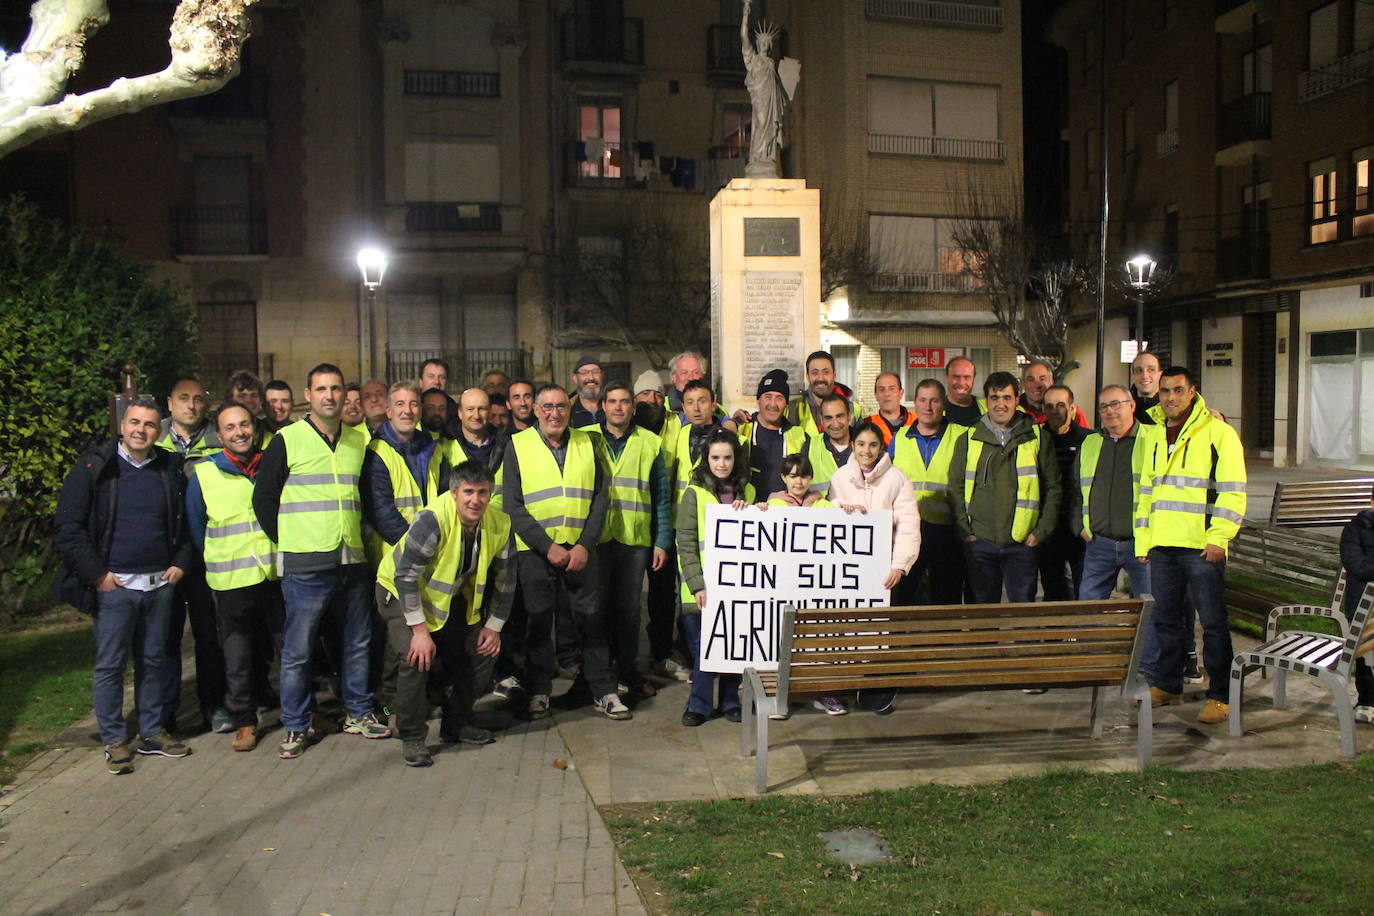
1192, 674
163, 745
246, 738
781, 716
1035, 691
622, 689
295, 743
1364, 714
119, 760
466, 734
367, 726
831, 706
666, 667
220, 723
1214, 712
612, 706
539, 706
507, 688
415, 754
878, 701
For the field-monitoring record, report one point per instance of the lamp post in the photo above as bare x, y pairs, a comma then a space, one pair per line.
1139, 270
372, 265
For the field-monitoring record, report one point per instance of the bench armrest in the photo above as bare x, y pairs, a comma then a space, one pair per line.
763, 703
1303, 610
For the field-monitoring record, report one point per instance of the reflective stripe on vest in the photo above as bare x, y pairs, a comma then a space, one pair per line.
629, 513
1027, 511
704, 498
823, 466
405, 492
1088, 455
320, 507
559, 501
238, 554
929, 483
438, 584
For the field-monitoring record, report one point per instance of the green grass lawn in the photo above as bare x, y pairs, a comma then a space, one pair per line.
45, 683
1163, 841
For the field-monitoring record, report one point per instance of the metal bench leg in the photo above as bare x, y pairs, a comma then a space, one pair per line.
747, 713
761, 758
1145, 728
1280, 688
1236, 694
1097, 712
1344, 714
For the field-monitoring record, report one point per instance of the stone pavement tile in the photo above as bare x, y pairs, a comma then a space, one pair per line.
568, 898
508, 886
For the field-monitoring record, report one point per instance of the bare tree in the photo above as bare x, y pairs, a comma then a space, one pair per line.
206, 42
846, 258
643, 286
1031, 290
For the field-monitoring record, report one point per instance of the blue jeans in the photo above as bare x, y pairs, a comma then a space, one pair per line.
1103, 558
125, 619
305, 596
702, 697
1178, 575
989, 565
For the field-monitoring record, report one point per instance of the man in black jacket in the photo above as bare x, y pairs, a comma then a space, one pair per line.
1357, 556
119, 528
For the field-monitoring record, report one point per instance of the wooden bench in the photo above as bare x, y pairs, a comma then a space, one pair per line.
1319, 503
1268, 566
1059, 644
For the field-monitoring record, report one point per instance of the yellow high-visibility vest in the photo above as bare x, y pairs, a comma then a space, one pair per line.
929, 483
405, 492
559, 500
320, 507
1027, 511
238, 553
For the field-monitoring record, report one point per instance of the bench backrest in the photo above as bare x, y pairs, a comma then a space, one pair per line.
1283, 565
1319, 503
960, 646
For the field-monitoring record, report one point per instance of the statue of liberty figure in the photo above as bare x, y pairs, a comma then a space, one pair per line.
770, 87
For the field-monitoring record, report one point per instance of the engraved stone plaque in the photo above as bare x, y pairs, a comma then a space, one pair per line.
772, 328
772, 237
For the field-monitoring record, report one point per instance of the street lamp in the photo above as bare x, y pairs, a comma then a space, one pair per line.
372, 265
1139, 271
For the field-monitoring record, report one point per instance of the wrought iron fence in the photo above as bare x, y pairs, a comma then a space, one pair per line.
465, 367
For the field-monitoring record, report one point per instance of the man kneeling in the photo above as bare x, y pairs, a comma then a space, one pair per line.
445, 589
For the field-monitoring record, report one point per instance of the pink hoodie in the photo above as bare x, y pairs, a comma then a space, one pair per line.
884, 487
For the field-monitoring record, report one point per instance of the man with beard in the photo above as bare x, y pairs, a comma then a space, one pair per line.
805, 408
352, 411
587, 380
520, 399
771, 437
433, 410
649, 410
240, 566
499, 413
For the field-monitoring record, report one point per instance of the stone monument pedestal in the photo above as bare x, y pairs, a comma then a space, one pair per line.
765, 284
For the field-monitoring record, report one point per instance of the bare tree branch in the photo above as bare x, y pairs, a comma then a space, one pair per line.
206, 41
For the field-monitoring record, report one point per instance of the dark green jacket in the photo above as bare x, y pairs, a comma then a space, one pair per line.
994, 498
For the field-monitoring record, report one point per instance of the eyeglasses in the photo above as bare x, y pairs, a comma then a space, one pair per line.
1115, 405
554, 408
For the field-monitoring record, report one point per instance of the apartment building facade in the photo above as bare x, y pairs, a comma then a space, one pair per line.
1239, 140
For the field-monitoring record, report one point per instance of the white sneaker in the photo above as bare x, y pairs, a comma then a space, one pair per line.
613, 708
539, 706
1364, 714
671, 669
507, 687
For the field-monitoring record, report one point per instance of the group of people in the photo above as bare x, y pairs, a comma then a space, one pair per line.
417, 549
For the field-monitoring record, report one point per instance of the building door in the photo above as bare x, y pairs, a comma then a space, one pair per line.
1258, 374
227, 333
1340, 406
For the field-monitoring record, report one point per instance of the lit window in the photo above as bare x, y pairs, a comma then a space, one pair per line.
1322, 178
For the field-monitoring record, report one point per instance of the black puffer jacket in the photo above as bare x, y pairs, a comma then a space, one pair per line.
1357, 556
84, 523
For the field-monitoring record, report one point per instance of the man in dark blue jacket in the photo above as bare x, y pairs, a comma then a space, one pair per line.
119, 528
1357, 556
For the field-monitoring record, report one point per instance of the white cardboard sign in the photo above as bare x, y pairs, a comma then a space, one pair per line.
760, 562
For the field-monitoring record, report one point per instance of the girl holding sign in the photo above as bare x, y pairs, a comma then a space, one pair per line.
869, 481
722, 477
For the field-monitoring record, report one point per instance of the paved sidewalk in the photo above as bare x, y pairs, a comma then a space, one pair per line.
345, 829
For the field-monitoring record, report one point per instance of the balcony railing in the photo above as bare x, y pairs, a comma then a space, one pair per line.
985, 14
466, 367
939, 147
1243, 119
1243, 257
604, 40
923, 281
1337, 74
467, 83
613, 167
1166, 142
225, 229
452, 216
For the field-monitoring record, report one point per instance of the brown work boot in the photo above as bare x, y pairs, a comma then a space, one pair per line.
1160, 698
245, 738
1214, 712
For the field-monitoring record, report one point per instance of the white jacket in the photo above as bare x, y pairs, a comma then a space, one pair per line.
884, 487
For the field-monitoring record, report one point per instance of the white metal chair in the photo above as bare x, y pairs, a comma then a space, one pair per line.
1330, 659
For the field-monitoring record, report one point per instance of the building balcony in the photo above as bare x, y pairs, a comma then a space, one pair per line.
1243, 119
220, 230
1339, 73
452, 216
464, 83
1166, 142
1243, 257
923, 281
936, 147
975, 14
596, 40
466, 367
613, 166
1236, 17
